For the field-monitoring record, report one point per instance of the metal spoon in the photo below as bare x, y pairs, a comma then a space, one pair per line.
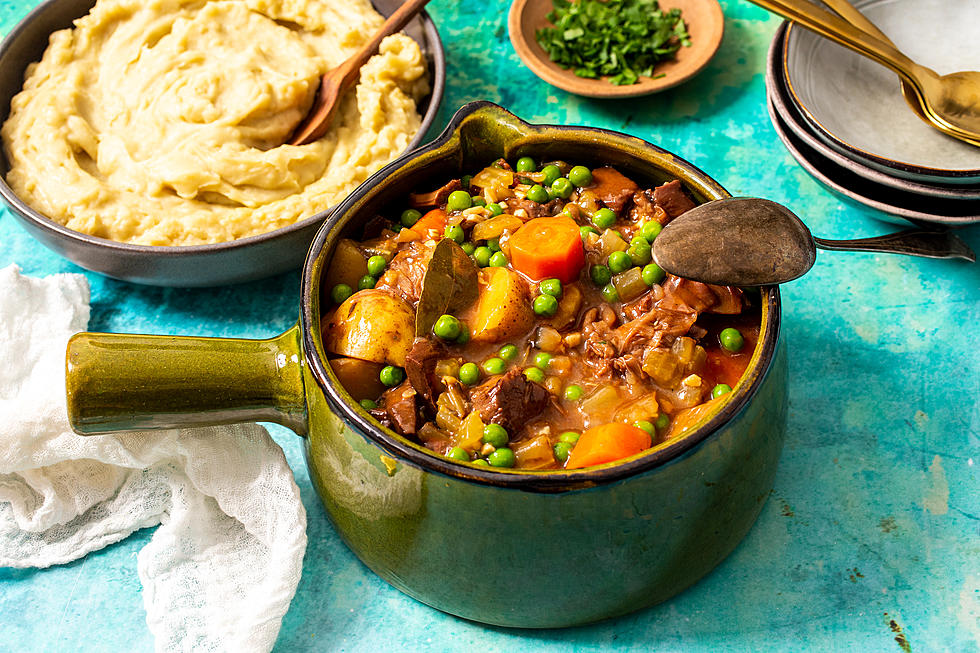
851, 14
747, 241
340, 79
950, 103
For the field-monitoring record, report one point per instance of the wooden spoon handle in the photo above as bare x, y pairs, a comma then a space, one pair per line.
340, 79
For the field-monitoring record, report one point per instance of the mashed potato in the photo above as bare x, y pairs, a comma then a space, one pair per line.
161, 122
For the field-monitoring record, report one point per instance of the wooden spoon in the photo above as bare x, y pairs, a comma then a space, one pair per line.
337, 81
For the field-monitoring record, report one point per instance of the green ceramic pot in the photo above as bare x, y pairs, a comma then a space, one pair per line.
504, 547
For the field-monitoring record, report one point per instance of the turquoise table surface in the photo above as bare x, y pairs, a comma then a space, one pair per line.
870, 540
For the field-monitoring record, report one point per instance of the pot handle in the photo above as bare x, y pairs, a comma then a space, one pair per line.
117, 382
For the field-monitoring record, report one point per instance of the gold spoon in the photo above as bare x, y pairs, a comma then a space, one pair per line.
950, 103
340, 79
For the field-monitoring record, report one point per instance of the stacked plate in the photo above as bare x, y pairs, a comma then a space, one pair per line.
843, 117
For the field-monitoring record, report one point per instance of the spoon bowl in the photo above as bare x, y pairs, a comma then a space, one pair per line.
748, 241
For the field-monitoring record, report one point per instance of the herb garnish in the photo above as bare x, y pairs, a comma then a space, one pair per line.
622, 39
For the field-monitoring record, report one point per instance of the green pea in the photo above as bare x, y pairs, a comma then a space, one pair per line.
541, 360
580, 176
573, 392
495, 209
376, 265
604, 218
502, 457
640, 254
646, 426
447, 327
652, 274
562, 188
482, 256
551, 193
464, 334
479, 201
494, 366
366, 282
619, 262
650, 230
368, 404
571, 437
410, 217
545, 305
538, 194
600, 274
508, 352
610, 294
498, 260
459, 453
469, 373
562, 449
340, 293
525, 164
455, 233
458, 200
534, 374
495, 435
494, 244
468, 248
551, 287
720, 389
551, 172
731, 339
585, 230
662, 421
481, 462
391, 375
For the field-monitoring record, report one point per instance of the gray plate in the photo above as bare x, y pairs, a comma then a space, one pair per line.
778, 93
915, 209
199, 265
855, 105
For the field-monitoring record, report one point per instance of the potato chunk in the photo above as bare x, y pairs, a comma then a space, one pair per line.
359, 377
348, 264
502, 310
372, 325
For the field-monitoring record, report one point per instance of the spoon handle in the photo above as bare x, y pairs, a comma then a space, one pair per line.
835, 28
851, 14
929, 243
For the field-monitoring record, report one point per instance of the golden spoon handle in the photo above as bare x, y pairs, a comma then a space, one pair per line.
851, 14
836, 29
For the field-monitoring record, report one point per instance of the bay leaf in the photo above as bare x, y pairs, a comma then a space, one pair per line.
449, 285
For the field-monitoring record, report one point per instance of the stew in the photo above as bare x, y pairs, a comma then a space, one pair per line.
514, 318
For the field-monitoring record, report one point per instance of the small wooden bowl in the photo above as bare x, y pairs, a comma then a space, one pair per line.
705, 23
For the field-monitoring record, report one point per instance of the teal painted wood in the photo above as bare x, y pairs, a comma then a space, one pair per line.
871, 537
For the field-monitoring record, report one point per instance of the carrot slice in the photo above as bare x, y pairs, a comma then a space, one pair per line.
606, 443
435, 219
546, 248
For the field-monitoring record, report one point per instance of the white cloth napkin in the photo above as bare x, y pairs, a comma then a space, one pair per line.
220, 571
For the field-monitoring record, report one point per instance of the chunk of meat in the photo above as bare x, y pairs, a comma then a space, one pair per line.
400, 408
645, 209
420, 367
533, 209
434, 198
703, 297
407, 270
672, 198
510, 401
612, 187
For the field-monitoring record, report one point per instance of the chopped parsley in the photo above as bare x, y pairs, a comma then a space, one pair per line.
621, 39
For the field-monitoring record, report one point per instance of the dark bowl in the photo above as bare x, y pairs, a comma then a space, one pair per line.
507, 547
235, 261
